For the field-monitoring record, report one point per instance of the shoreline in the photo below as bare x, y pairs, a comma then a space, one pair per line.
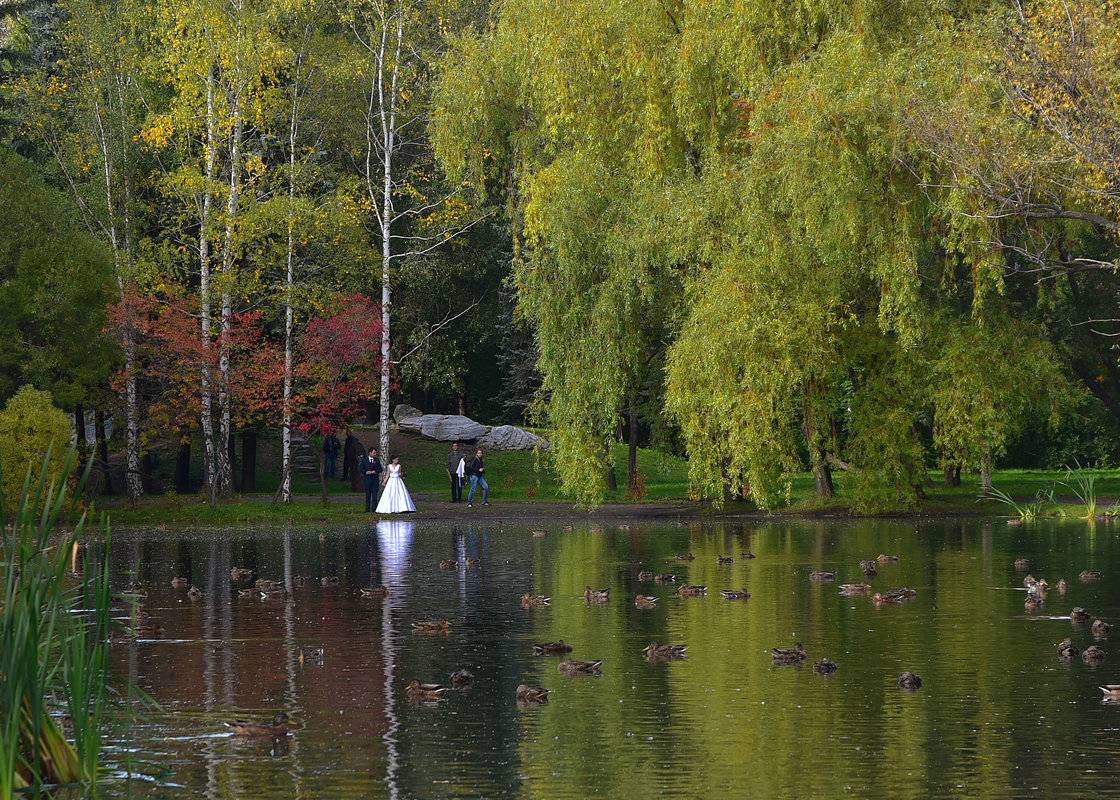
347, 508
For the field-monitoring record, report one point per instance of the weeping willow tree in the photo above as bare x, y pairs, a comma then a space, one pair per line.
732, 191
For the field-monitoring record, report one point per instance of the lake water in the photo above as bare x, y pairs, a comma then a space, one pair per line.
998, 714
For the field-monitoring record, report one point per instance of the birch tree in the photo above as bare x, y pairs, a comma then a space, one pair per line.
220, 58
86, 110
412, 213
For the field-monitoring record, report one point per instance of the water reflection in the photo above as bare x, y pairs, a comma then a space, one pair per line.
998, 714
391, 555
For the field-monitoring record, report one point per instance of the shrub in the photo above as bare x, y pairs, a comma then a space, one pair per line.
29, 426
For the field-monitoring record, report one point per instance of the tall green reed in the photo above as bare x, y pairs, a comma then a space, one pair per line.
1024, 510
1082, 483
53, 658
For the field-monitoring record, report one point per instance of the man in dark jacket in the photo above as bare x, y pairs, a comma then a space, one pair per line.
453, 459
351, 455
371, 469
477, 470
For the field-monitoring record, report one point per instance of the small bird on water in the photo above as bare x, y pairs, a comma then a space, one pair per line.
275, 729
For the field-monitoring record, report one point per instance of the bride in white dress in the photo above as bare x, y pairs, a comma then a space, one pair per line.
394, 497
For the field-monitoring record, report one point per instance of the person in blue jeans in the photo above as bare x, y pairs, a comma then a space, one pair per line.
477, 470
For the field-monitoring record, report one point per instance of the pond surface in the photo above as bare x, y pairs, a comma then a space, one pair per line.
998, 715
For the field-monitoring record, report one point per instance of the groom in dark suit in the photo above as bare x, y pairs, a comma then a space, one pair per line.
371, 469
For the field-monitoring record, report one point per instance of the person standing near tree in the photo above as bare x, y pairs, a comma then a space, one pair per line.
454, 459
477, 470
331, 447
351, 455
371, 469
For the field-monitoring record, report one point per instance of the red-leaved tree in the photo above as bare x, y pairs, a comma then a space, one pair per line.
337, 370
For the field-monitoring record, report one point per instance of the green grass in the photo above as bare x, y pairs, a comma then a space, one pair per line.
526, 477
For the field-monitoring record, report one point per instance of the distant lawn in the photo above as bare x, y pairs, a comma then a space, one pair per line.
527, 477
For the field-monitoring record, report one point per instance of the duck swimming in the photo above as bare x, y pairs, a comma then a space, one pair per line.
655, 650
533, 600
826, 666
691, 590
910, 681
556, 648
532, 695
596, 595
894, 596
1092, 654
795, 656
1068, 650
275, 729
573, 667
462, 679
426, 691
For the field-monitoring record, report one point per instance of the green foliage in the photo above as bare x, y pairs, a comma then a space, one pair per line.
986, 379
30, 426
883, 440
54, 283
779, 211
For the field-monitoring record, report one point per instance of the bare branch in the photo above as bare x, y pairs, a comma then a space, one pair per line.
436, 328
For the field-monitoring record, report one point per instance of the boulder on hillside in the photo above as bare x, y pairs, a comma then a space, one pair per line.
405, 411
444, 427
510, 437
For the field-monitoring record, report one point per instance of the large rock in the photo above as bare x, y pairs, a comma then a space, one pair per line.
509, 437
404, 411
444, 427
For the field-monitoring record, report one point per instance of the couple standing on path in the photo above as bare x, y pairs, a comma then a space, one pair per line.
458, 467
395, 499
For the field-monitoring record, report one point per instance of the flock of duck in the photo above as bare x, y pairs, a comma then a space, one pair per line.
1037, 590
423, 693
796, 656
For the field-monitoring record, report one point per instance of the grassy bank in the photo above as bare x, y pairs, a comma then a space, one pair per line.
524, 480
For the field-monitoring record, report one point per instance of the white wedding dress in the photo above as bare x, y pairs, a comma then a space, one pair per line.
394, 497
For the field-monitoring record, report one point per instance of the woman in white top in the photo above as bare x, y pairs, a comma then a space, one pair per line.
394, 497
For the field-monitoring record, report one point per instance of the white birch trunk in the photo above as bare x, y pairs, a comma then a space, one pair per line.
225, 468
387, 108
133, 483
207, 420
289, 316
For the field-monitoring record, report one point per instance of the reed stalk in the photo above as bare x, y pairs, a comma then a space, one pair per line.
53, 659
1083, 484
1024, 510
